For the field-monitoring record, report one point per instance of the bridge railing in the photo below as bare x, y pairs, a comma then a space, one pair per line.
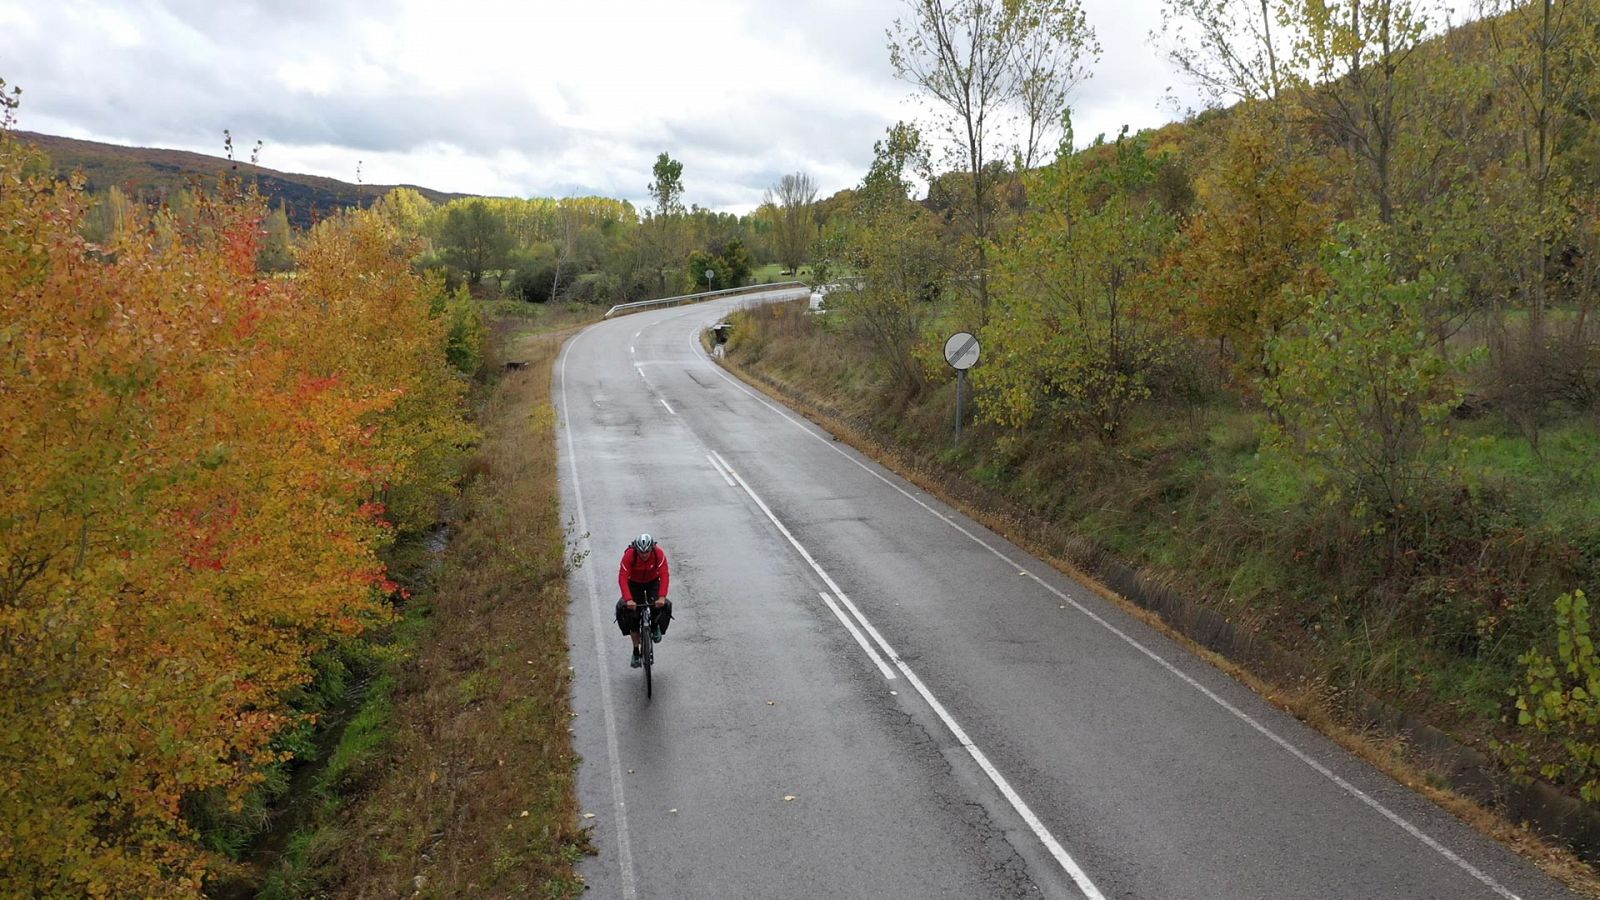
703, 295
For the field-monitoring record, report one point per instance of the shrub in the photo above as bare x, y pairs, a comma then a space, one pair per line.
1561, 697
1362, 392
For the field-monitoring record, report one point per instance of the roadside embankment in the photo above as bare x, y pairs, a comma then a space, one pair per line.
465, 786
1100, 521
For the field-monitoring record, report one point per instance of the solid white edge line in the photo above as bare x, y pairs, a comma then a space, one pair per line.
667, 405
861, 639
1064, 859
1405, 825
614, 754
718, 467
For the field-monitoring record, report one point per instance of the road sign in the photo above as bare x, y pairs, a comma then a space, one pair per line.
961, 351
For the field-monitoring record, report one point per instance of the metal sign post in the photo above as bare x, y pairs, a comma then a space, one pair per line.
961, 352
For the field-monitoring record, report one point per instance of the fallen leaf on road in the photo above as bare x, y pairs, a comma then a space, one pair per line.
671, 810
787, 797
772, 703
588, 815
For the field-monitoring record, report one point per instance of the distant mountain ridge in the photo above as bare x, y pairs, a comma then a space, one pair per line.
152, 173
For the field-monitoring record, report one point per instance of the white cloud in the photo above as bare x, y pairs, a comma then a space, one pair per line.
520, 98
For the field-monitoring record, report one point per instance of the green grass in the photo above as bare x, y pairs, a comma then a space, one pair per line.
541, 316
476, 744
363, 739
1561, 481
772, 273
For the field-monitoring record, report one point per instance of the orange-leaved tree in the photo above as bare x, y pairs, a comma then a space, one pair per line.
192, 462
1252, 251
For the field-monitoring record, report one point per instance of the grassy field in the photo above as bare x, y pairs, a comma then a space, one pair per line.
456, 776
772, 273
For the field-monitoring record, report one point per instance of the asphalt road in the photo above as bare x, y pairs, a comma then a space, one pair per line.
865, 694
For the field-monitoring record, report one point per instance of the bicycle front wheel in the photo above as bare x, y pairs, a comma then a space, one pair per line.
648, 651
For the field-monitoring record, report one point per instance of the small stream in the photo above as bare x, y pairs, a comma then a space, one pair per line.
295, 807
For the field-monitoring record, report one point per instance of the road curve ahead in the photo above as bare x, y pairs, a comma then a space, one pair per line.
865, 694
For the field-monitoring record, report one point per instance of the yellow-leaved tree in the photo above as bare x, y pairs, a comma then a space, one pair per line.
194, 460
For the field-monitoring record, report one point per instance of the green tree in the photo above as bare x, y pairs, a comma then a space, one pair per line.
108, 218
277, 242
474, 239
1560, 697
724, 268
663, 239
667, 188
1362, 393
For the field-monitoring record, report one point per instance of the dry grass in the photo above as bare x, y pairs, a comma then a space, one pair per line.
1309, 702
477, 794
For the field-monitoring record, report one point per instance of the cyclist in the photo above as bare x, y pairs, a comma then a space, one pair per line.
643, 577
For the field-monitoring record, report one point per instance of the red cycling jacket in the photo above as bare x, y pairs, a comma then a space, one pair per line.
643, 569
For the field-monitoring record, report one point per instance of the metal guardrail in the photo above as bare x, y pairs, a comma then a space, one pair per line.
705, 295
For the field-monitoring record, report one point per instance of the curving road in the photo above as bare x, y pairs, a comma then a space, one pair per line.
865, 694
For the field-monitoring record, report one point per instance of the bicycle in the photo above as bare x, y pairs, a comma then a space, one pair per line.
647, 647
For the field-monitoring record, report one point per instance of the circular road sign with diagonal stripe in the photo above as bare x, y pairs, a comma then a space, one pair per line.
961, 351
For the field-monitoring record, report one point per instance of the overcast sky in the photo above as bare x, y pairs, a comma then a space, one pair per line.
533, 98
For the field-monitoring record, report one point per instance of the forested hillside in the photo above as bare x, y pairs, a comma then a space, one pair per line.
583, 249
151, 174
1324, 355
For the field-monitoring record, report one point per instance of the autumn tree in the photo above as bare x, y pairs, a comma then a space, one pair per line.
1078, 333
405, 209
1357, 59
1233, 49
980, 65
893, 245
792, 199
190, 513
277, 242
1249, 255
1548, 52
